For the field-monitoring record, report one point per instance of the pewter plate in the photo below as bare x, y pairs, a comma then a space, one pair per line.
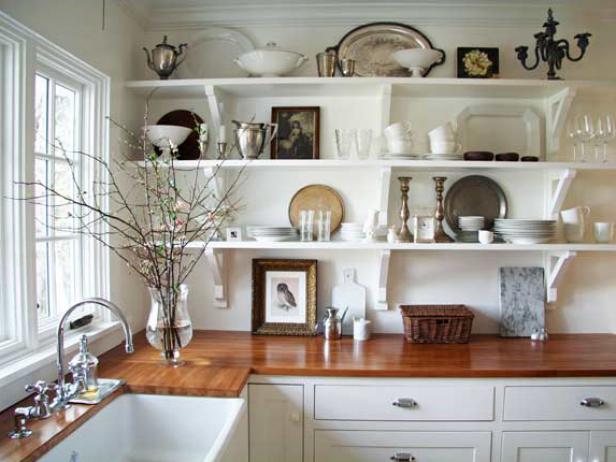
372, 45
475, 195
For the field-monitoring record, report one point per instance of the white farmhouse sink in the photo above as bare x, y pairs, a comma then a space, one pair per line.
153, 428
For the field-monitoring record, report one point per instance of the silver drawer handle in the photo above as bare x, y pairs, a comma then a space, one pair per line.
405, 402
402, 456
592, 402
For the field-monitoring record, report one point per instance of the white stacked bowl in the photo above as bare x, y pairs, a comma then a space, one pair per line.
352, 232
471, 223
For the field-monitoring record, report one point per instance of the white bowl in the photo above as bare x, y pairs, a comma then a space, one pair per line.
166, 136
270, 61
417, 60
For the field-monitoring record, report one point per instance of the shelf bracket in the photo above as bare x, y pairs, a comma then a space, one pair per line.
558, 187
381, 299
384, 186
214, 100
216, 261
555, 266
557, 108
385, 104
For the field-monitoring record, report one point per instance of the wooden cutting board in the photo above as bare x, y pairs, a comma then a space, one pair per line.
350, 294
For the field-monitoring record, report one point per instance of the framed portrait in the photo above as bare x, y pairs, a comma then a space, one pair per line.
284, 296
298, 133
478, 63
234, 234
424, 228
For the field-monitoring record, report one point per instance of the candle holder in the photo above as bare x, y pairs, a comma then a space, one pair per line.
405, 233
222, 150
440, 235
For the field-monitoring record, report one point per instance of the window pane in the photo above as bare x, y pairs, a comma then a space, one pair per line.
63, 184
65, 118
41, 111
64, 271
42, 280
41, 175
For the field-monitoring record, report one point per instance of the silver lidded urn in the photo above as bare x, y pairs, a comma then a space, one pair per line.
165, 59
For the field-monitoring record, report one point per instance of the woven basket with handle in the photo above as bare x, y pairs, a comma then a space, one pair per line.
437, 323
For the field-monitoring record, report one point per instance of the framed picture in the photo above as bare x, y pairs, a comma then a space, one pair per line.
234, 234
424, 227
284, 296
478, 63
298, 132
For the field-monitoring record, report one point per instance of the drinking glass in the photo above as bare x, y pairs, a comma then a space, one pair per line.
344, 141
586, 130
324, 223
604, 133
574, 136
363, 141
306, 218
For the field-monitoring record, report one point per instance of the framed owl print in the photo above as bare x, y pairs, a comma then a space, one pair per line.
284, 296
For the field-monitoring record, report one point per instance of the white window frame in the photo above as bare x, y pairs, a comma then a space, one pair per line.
22, 52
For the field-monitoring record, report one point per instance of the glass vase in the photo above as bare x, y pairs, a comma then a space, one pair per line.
169, 327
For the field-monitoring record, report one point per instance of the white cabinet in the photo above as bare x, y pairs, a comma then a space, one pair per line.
602, 446
570, 446
371, 446
276, 422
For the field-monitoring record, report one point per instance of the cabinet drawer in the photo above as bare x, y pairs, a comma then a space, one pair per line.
371, 446
352, 402
560, 403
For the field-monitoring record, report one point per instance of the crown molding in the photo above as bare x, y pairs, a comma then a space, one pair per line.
349, 14
138, 11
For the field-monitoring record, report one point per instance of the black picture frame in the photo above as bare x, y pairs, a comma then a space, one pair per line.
298, 132
478, 62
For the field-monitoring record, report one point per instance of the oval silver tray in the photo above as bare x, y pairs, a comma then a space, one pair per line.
371, 46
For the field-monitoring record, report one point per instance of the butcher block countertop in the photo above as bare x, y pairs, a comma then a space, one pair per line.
220, 363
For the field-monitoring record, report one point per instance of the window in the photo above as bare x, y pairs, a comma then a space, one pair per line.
51, 106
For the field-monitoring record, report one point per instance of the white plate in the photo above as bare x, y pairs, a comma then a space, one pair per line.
274, 238
501, 128
443, 157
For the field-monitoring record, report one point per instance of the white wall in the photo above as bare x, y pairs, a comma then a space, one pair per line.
584, 303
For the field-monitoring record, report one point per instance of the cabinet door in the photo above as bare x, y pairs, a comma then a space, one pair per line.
276, 422
544, 446
371, 446
602, 447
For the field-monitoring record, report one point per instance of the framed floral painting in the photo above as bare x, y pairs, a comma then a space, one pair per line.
478, 63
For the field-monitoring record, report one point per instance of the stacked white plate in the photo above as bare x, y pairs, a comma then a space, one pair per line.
272, 233
523, 231
392, 156
471, 223
451, 156
352, 232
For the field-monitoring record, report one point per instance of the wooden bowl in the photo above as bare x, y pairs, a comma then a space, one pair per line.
530, 159
478, 155
507, 157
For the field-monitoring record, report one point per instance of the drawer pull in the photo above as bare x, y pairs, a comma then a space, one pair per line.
405, 402
402, 456
592, 402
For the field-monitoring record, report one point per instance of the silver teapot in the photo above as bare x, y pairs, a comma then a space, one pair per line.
165, 58
251, 137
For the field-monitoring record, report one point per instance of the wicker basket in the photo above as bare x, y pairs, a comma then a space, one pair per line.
437, 323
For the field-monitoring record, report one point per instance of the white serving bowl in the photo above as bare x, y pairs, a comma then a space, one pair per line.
165, 136
417, 60
270, 61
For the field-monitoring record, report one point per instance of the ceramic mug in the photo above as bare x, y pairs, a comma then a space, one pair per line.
398, 130
442, 133
486, 237
603, 232
574, 223
445, 147
399, 146
361, 329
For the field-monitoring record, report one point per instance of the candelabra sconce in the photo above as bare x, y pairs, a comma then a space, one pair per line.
405, 234
550, 50
440, 235
222, 150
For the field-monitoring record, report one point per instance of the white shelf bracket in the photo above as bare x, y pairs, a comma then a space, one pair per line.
381, 299
558, 188
557, 108
555, 266
218, 180
216, 261
385, 106
384, 186
214, 100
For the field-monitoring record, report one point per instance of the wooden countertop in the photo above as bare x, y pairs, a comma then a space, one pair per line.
219, 364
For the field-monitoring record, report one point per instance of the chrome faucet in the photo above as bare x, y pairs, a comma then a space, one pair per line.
42, 408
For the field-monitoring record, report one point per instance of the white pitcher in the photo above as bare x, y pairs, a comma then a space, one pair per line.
361, 329
574, 223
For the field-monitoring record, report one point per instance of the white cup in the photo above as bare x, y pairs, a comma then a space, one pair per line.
442, 133
603, 232
361, 329
444, 147
486, 237
398, 130
574, 223
400, 146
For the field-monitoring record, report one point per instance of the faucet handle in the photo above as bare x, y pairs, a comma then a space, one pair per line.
40, 387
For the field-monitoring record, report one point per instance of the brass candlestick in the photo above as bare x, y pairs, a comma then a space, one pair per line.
439, 233
405, 233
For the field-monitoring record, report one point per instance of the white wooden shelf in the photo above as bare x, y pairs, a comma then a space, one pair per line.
264, 87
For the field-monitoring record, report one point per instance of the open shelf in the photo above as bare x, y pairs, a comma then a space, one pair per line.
262, 87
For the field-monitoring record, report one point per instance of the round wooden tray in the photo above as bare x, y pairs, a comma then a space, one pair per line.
317, 197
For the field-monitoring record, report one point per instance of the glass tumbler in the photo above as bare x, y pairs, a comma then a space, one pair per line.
363, 142
344, 141
306, 218
324, 224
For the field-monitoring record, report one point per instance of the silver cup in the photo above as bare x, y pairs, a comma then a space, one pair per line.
326, 64
347, 67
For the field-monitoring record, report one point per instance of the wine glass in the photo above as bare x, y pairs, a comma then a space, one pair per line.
574, 135
604, 133
586, 131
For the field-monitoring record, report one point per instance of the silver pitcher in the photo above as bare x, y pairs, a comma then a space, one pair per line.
332, 324
251, 137
165, 58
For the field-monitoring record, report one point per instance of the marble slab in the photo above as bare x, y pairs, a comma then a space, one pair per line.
522, 301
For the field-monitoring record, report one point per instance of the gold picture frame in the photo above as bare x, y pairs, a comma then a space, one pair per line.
284, 296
